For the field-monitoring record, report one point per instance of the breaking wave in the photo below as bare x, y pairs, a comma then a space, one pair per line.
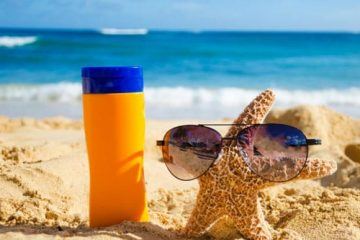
119, 31
14, 41
185, 96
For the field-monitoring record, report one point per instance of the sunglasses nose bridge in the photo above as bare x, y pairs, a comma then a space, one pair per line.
230, 139
227, 140
221, 153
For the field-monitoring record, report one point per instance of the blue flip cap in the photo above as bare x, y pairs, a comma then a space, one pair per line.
123, 79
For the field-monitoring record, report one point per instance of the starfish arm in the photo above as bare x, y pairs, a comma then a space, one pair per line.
254, 113
249, 218
207, 210
317, 168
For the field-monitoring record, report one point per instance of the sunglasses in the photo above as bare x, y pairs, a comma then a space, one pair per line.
275, 152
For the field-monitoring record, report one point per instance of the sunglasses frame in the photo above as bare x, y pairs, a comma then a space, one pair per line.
309, 142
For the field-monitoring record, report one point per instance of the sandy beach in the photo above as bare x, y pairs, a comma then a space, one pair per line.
44, 183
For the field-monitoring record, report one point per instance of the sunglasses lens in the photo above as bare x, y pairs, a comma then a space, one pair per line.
275, 152
190, 150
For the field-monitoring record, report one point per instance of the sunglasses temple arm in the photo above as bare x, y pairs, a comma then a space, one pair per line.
160, 143
163, 143
223, 124
313, 141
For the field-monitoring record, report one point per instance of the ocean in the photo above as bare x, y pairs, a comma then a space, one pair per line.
188, 74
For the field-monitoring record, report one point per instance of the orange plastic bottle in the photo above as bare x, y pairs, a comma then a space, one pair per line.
114, 120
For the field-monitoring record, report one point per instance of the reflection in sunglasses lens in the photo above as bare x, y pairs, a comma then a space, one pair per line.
275, 152
190, 150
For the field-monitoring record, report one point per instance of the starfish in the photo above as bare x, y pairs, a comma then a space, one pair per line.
229, 188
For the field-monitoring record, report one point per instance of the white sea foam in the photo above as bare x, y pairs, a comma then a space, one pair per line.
228, 97
14, 41
186, 102
185, 96
119, 31
57, 92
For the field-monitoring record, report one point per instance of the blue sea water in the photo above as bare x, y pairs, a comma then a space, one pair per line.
187, 74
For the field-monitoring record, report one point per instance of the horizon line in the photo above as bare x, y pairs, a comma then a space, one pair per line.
194, 30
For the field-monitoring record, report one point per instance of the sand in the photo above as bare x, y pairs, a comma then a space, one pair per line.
44, 184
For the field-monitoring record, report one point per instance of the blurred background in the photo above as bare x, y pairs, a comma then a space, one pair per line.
201, 59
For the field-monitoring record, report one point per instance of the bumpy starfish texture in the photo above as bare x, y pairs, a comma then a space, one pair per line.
229, 188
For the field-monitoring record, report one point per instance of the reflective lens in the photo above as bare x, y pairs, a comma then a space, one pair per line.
276, 152
190, 150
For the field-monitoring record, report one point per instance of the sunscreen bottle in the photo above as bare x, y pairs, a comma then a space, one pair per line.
114, 121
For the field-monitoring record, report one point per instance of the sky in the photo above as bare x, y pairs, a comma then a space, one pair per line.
312, 15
